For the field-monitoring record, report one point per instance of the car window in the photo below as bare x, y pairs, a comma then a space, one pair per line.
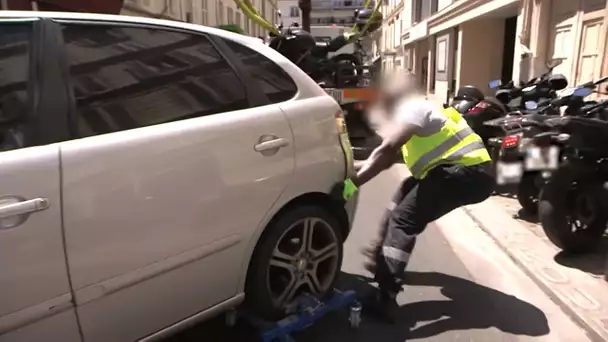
14, 74
128, 77
273, 80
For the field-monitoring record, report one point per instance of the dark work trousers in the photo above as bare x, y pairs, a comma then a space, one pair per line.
416, 204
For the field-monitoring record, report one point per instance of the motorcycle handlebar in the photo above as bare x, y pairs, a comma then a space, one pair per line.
595, 108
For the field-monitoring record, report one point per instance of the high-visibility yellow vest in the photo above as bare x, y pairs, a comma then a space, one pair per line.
456, 143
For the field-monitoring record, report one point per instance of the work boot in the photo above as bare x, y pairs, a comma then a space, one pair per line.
382, 305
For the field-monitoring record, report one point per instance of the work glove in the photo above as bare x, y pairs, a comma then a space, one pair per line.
343, 191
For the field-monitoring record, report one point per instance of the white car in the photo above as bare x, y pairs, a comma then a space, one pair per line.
156, 173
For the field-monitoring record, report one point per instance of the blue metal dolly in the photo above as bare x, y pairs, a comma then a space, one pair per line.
309, 310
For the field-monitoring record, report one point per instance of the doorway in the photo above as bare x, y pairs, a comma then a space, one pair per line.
508, 51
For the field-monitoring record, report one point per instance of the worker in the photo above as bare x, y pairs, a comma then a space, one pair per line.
449, 166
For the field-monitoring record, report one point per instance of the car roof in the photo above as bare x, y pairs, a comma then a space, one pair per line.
127, 19
307, 87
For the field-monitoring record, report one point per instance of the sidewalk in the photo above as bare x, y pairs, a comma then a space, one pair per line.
582, 295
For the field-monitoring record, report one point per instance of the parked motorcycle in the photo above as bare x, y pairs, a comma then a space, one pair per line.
300, 47
573, 199
520, 129
507, 152
508, 100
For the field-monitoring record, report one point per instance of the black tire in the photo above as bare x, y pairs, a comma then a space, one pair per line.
262, 278
556, 205
349, 60
527, 193
494, 153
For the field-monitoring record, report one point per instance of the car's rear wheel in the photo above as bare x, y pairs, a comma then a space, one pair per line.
300, 252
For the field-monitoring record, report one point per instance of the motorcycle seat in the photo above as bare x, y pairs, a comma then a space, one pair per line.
496, 103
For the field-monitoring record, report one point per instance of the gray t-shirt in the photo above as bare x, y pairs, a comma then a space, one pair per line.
422, 113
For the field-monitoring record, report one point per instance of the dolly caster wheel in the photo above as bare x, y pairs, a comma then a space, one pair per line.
354, 317
231, 318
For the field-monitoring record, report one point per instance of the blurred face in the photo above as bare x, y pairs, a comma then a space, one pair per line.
392, 90
387, 101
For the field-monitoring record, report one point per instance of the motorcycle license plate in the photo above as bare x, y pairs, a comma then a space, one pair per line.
542, 158
508, 173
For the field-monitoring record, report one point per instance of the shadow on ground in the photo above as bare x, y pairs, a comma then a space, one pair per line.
467, 306
508, 192
526, 216
595, 263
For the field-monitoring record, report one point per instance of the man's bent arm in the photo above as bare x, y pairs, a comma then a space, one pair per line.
384, 155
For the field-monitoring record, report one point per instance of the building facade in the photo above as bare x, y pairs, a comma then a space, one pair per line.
204, 12
388, 46
290, 12
334, 12
450, 43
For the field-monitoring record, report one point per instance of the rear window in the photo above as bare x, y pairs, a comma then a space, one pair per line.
273, 80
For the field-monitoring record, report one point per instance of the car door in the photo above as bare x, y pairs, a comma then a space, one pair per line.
36, 302
171, 173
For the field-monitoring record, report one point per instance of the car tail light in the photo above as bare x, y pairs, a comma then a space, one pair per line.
345, 143
340, 122
510, 141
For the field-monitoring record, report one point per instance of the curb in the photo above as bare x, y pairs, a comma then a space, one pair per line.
586, 302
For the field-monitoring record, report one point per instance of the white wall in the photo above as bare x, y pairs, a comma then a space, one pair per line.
441, 4
406, 15
479, 68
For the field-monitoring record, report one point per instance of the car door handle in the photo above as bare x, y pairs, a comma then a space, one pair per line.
271, 144
23, 207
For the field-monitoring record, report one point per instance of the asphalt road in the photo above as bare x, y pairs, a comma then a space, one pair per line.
445, 300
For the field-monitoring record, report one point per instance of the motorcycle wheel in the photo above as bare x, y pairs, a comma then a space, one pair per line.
572, 213
494, 154
527, 193
350, 60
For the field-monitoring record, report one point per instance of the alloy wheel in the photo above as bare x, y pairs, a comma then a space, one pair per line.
304, 260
